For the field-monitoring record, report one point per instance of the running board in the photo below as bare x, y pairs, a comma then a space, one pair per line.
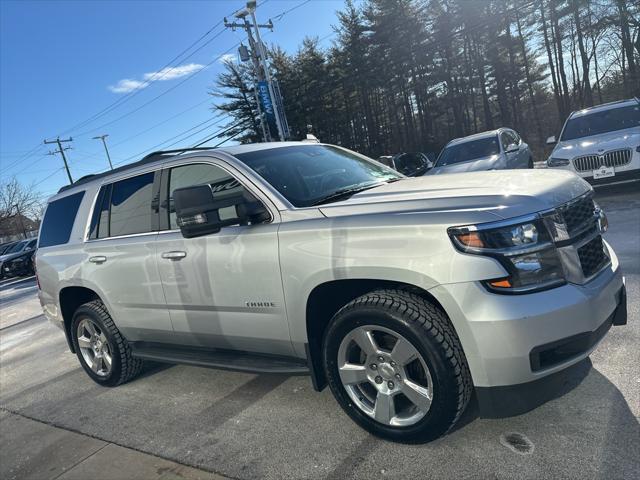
220, 359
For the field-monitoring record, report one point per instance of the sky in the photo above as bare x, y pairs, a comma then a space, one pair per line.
64, 62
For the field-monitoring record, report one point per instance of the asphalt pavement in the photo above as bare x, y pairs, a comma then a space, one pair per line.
268, 426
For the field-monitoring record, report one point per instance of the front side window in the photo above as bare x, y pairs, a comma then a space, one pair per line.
307, 174
202, 174
131, 205
472, 150
597, 123
58, 220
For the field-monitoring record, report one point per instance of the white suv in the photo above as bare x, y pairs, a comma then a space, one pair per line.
601, 144
401, 294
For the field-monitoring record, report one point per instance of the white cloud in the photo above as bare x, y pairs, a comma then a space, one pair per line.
127, 85
171, 73
227, 57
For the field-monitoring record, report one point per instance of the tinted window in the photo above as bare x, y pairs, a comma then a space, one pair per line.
100, 219
201, 174
605, 121
306, 174
412, 164
58, 220
463, 152
131, 205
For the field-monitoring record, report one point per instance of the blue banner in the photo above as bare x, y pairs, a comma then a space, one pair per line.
267, 108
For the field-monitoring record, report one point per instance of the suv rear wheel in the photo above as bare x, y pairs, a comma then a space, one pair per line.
102, 350
396, 366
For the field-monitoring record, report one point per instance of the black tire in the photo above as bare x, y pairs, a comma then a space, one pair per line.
530, 164
428, 329
124, 366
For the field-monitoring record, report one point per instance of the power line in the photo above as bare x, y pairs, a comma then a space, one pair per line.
86, 122
156, 146
188, 77
158, 75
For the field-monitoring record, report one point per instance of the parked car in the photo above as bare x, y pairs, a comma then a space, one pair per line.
401, 294
413, 164
495, 150
17, 259
601, 144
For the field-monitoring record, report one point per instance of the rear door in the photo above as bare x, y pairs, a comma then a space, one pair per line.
121, 258
223, 290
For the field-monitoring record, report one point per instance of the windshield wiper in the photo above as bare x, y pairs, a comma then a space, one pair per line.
345, 193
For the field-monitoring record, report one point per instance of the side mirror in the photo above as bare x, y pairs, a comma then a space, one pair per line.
512, 147
551, 140
199, 213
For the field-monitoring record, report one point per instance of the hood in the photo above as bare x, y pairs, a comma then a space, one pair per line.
505, 193
476, 165
629, 138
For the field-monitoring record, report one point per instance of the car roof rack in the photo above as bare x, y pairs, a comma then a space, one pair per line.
150, 158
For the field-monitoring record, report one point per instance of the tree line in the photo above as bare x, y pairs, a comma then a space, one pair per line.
410, 75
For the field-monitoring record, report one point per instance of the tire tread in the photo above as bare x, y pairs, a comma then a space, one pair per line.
434, 321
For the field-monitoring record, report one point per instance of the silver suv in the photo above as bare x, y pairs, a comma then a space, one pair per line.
494, 150
601, 144
401, 294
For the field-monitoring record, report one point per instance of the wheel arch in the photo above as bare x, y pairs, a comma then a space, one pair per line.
326, 299
70, 298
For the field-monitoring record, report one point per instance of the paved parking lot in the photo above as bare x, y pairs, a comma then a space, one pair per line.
264, 426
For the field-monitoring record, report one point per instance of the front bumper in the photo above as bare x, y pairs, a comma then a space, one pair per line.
510, 400
512, 340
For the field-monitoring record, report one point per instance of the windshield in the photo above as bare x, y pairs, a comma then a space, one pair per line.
18, 247
463, 152
602, 122
306, 174
411, 164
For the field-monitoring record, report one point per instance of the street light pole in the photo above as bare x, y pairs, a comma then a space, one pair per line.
104, 142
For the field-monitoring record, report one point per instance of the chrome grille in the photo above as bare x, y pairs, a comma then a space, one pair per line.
592, 256
615, 158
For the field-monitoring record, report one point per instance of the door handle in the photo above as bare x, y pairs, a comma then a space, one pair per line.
99, 259
174, 255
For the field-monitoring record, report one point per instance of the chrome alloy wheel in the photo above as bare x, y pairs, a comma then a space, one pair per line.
94, 347
385, 375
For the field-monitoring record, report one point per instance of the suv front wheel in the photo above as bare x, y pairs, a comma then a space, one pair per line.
396, 366
102, 350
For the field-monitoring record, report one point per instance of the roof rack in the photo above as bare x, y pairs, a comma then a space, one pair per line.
150, 158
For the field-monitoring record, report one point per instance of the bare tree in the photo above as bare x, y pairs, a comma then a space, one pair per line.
18, 202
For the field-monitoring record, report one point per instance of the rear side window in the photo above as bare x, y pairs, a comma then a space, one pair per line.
58, 220
131, 205
124, 208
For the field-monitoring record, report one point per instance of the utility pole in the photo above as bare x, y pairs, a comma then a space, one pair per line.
61, 152
102, 137
269, 93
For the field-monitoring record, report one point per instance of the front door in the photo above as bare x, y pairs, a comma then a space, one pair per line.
222, 290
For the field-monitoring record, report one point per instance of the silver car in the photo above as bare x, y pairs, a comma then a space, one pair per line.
403, 295
601, 144
494, 150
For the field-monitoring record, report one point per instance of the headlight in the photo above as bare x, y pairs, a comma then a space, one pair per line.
524, 248
557, 162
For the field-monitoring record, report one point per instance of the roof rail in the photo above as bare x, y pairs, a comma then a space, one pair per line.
178, 151
152, 157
